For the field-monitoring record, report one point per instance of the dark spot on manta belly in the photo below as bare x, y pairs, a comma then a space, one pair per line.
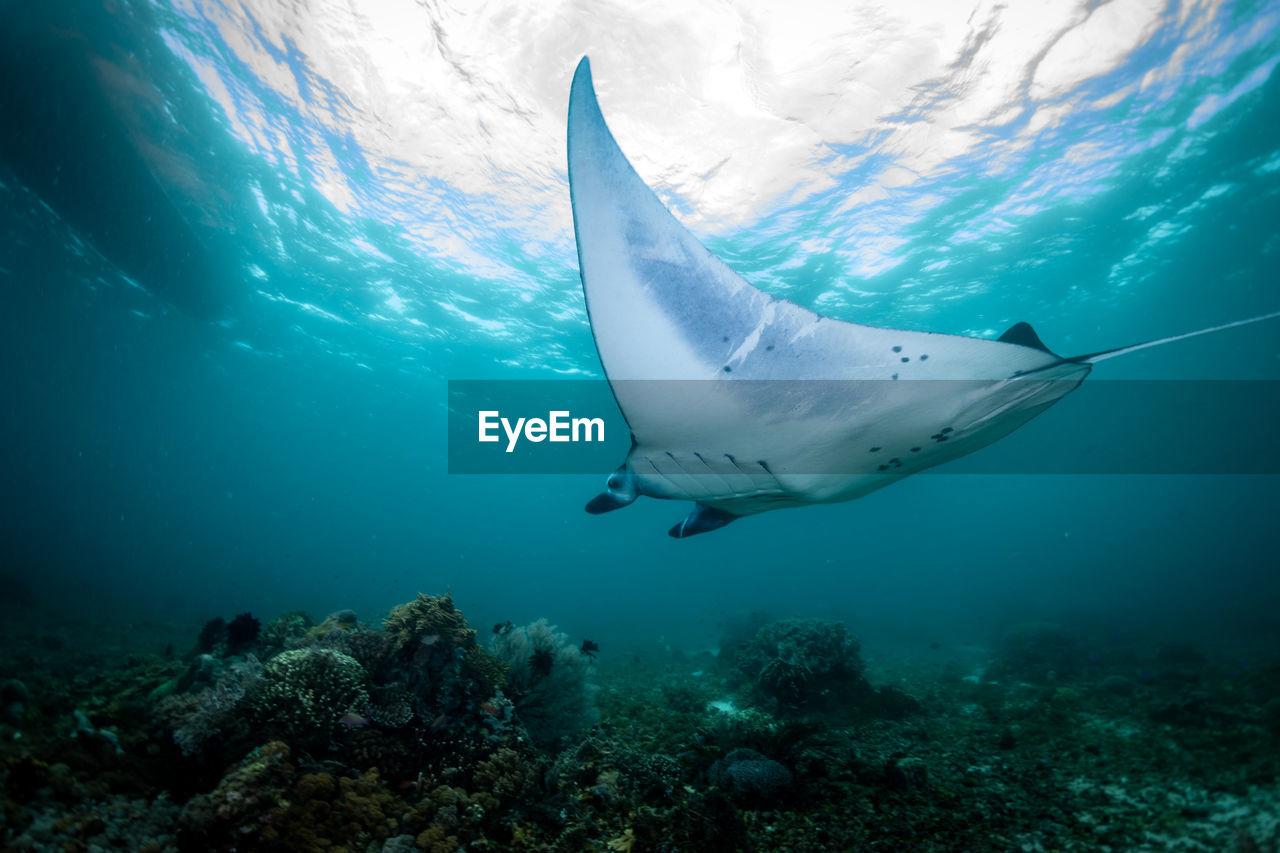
883, 468
726, 339
894, 376
769, 348
924, 357
946, 430
874, 450
915, 450
905, 359
897, 349
728, 369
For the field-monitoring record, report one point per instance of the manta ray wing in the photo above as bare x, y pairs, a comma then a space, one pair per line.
744, 402
663, 307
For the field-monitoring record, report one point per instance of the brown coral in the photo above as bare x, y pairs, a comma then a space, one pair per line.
485, 671
233, 811
435, 840
374, 747
505, 773
451, 815
427, 620
329, 813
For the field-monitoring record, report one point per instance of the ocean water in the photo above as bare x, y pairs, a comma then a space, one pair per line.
246, 246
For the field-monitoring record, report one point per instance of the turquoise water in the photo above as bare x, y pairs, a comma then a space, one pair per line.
245, 249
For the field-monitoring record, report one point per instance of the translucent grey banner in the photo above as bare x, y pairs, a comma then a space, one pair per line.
1029, 425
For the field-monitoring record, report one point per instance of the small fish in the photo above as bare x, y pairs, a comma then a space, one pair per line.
589, 648
429, 639
354, 721
502, 627
490, 709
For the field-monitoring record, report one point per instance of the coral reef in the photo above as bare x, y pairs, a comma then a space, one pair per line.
197, 718
286, 627
231, 814
793, 661
304, 694
371, 649
323, 812
507, 773
116, 823
548, 678
751, 776
426, 621
484, 669
144, 752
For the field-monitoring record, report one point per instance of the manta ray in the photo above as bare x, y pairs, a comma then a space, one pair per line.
745, 403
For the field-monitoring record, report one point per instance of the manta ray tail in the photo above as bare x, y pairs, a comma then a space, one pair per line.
702, 520
1095, 357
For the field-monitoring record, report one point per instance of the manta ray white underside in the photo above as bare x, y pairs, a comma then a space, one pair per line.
746, 403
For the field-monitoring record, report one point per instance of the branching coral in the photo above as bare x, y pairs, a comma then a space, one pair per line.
435, 655
391, 705
506, 773
414, 623
485, 670
305, 692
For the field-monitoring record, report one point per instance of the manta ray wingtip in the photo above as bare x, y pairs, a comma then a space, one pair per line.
584, 109
581, 74
703, 519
